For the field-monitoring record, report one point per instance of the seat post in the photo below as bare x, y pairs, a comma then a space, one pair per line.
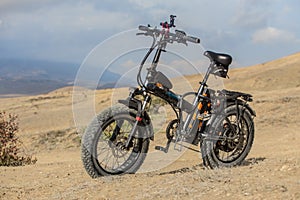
199, 93
205, 79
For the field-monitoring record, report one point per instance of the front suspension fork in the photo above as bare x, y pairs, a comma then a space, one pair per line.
139, 117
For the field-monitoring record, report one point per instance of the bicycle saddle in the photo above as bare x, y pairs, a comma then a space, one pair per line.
221, 58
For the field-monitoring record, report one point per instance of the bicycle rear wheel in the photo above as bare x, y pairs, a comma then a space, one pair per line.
238, 134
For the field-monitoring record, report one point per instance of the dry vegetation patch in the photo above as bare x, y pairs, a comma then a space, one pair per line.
12, 152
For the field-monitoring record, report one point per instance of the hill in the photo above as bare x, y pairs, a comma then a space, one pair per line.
275, 75
282, 73
48, 130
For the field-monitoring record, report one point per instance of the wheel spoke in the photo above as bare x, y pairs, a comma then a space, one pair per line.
111, 154
106, 159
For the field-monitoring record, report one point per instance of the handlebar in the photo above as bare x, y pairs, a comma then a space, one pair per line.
192, 39
178, 36
149, 29
143, 28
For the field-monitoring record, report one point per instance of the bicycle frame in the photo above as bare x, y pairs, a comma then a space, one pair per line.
190, 122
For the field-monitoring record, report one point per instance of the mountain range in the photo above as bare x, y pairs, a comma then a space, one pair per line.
29, 77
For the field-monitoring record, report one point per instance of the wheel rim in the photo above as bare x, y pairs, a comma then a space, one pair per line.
229, 150
110, 153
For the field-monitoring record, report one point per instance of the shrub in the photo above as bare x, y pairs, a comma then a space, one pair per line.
11, 153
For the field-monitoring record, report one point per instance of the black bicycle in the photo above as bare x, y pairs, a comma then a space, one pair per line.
221, 122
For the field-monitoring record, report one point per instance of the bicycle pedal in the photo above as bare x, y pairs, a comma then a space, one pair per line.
160, 148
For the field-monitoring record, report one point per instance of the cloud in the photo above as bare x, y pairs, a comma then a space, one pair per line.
68, 30
271, 34
60, 30
145, 3
13, 6
252, 13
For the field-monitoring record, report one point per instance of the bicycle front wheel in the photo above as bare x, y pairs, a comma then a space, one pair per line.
104, 150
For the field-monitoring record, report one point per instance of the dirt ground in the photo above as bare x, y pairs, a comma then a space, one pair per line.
271, 170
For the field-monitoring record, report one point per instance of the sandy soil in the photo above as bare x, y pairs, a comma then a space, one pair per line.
271, 170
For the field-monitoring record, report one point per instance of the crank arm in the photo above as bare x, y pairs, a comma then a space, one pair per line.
164, 149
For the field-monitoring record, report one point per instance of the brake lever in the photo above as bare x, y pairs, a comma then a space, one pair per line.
183, 42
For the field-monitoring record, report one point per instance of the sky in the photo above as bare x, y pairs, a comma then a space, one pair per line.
252, 31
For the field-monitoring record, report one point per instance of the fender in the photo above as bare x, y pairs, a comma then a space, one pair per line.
240, 102
136, 105
210, 127
131, 103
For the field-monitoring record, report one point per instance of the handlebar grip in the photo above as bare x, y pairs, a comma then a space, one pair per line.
192, 39
143, 28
